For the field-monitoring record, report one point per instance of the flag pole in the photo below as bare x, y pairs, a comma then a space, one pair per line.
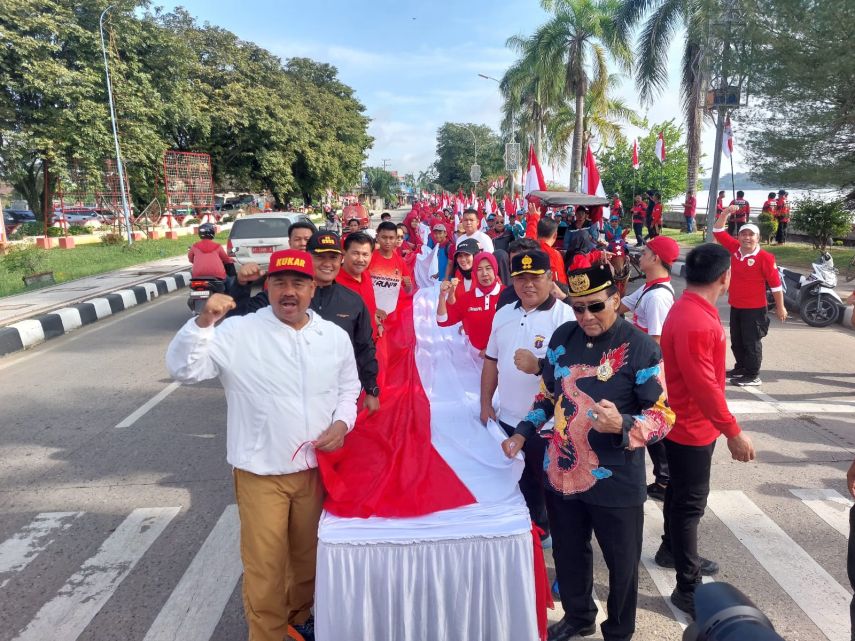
732, 178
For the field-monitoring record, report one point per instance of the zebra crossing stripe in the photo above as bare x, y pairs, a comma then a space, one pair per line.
17, 552
87, 590
813, 589
663, 578
195, 606
829, 505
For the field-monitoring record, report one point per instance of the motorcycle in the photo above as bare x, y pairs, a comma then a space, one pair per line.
201, 288
813, 295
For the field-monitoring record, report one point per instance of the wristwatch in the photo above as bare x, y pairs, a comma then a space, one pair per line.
374, 391
541, 363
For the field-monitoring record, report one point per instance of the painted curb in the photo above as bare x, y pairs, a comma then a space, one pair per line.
34, 331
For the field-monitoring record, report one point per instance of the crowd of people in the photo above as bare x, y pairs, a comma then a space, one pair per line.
575, 385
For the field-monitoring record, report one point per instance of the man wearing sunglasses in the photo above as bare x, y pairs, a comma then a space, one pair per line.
602, 384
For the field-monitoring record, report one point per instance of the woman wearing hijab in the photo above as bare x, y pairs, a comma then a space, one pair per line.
464, 263
474, 309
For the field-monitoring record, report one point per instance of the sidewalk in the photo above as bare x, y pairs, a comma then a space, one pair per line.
41, 301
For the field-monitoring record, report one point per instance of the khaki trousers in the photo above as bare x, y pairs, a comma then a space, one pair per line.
278, 544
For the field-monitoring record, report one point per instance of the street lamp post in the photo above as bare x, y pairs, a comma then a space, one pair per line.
119, 167
513, 133
475, 171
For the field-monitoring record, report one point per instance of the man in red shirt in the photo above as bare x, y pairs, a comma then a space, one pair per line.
740, 215
639, 213
693, 351
782, 213
547, 234
389, 273
689, 209
753, 269
358, 250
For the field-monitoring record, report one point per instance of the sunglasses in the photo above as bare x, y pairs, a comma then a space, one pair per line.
594, 308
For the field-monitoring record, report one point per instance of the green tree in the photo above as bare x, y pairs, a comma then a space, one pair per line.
455, 150
802, 131
618, 176
821, 220
380, 183
580, 37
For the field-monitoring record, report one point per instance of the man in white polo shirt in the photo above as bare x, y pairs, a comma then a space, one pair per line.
521, 334
650, 305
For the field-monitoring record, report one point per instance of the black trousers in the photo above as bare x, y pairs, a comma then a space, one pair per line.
747, 329
660, 462
685, 502
619, 533
531, 481
638, 228
781, 234
850, 567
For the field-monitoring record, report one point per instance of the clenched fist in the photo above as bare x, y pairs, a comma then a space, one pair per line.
216, 308
248, 273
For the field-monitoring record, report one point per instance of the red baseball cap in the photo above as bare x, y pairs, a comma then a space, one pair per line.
666, 248
291, 260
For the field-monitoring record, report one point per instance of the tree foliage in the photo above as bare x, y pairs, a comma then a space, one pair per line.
293, 128
455, 150
669, 179
381, 184
802, 132
821, 220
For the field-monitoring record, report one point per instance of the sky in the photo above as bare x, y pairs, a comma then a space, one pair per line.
415, 65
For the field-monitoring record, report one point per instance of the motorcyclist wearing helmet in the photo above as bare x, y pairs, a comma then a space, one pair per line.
208, 256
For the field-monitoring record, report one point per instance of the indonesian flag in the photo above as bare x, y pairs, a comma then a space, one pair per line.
635, 153
591, 182
488, 205
502, 182
727, 143
533, 175
509, 206
660, 148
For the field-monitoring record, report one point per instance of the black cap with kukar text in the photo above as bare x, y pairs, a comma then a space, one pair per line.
323, 242
529, 262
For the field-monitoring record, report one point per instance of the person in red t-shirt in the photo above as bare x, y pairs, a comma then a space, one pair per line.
693, 352
547, 234
358, 250
475, 308
389, 272
689, 209
782, 213
656, 216
639, 213
740, 215
753, 270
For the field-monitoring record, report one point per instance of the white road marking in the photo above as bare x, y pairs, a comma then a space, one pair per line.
663, 578
18, 551
197, 603
790, 407
149, 404
813, 589
87, 590
829, 505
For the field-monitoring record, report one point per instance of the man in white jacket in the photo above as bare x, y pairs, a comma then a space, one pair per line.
291, 387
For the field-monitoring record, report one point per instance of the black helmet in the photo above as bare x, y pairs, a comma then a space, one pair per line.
207, 231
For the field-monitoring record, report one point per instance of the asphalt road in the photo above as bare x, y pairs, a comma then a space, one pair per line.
126, 533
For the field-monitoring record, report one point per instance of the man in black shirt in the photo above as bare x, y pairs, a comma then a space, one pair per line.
333, 302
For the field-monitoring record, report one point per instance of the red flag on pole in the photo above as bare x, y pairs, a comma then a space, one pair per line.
660, 148
533, 175
635, 153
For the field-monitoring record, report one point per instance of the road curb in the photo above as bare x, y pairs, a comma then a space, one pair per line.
34, 331
678, 268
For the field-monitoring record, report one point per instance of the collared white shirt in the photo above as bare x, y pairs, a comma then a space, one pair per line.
283, 386
650, 312
513, 329
480, 237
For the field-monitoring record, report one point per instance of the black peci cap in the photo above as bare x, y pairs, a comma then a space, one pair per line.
322, 242
529, 262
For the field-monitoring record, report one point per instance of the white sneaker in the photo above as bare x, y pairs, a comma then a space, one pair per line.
747, 381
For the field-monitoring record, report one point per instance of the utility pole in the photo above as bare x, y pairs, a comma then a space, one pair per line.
119, 168
385, 162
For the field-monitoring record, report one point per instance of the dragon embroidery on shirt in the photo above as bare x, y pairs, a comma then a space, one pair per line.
572, 465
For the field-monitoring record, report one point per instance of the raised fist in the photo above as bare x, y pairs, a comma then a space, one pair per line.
215, 309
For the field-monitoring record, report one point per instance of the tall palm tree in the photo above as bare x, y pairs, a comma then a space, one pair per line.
604, 114
579, 37
664, 18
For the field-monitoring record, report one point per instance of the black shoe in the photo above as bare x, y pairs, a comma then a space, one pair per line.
563, 630
656, 491
684, 601
307, 629
733, 373
665, 559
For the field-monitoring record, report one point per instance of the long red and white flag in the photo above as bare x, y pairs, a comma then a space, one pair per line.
533, 175
727, 142
660, 148
635, 163
591, 182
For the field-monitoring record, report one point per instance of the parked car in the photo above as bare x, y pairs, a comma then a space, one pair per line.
20, 215
253, 238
